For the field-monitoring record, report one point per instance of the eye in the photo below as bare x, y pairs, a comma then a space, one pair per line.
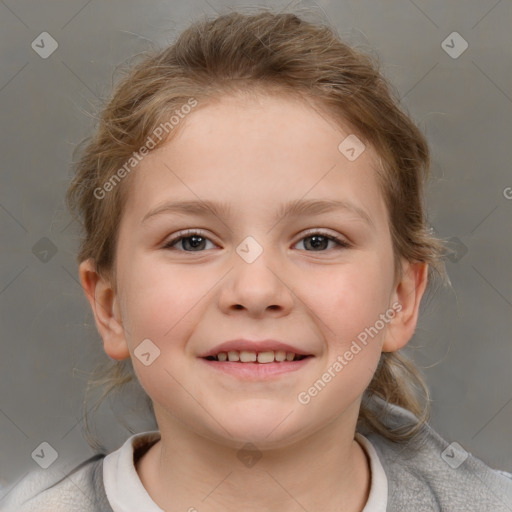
190, 240
194, 241
319, 241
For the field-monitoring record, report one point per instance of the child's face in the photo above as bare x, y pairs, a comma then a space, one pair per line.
255, 157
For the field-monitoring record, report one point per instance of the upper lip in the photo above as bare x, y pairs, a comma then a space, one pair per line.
253, 346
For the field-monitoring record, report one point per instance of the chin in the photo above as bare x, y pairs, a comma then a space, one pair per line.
264, 424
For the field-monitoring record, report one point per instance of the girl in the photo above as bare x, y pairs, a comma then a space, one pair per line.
256, 249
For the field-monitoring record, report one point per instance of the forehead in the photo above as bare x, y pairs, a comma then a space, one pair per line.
254, 150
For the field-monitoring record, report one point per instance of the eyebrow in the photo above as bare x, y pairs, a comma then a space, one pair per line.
294, 208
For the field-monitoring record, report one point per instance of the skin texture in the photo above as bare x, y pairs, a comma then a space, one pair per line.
254, 154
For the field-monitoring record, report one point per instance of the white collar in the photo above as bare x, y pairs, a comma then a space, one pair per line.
123, 486
126, 493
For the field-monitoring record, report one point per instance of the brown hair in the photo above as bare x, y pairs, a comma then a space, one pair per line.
269, 53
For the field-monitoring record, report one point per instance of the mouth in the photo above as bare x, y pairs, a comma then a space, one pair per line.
249, 356
255, 361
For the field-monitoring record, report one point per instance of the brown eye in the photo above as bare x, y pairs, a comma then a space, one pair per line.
191, 242
319, 242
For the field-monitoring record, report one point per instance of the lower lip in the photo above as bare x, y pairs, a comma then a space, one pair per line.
256, 371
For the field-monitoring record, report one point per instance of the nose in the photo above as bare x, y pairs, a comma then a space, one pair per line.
258, 288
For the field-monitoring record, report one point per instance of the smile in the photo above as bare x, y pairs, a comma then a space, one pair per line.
248, 356
256, 366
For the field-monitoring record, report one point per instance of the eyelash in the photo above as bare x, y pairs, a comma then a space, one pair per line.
342, 243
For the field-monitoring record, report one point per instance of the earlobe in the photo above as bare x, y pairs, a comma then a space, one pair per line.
104, 305
408, 293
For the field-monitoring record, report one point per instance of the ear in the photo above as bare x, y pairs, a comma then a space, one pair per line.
104, 304
408, 293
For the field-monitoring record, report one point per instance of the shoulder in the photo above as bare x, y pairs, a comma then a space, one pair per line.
45, 490
438, 475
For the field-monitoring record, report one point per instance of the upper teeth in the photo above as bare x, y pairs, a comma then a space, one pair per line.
247, 356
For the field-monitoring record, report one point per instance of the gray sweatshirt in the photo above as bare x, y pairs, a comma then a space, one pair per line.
428, 474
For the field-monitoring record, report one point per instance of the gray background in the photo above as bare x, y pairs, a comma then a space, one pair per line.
464, 105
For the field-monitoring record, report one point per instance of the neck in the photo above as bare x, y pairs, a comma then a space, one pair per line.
326, 471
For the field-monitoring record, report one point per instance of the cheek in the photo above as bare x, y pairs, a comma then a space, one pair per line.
349, 300
160, 304
160, 297
348, 307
